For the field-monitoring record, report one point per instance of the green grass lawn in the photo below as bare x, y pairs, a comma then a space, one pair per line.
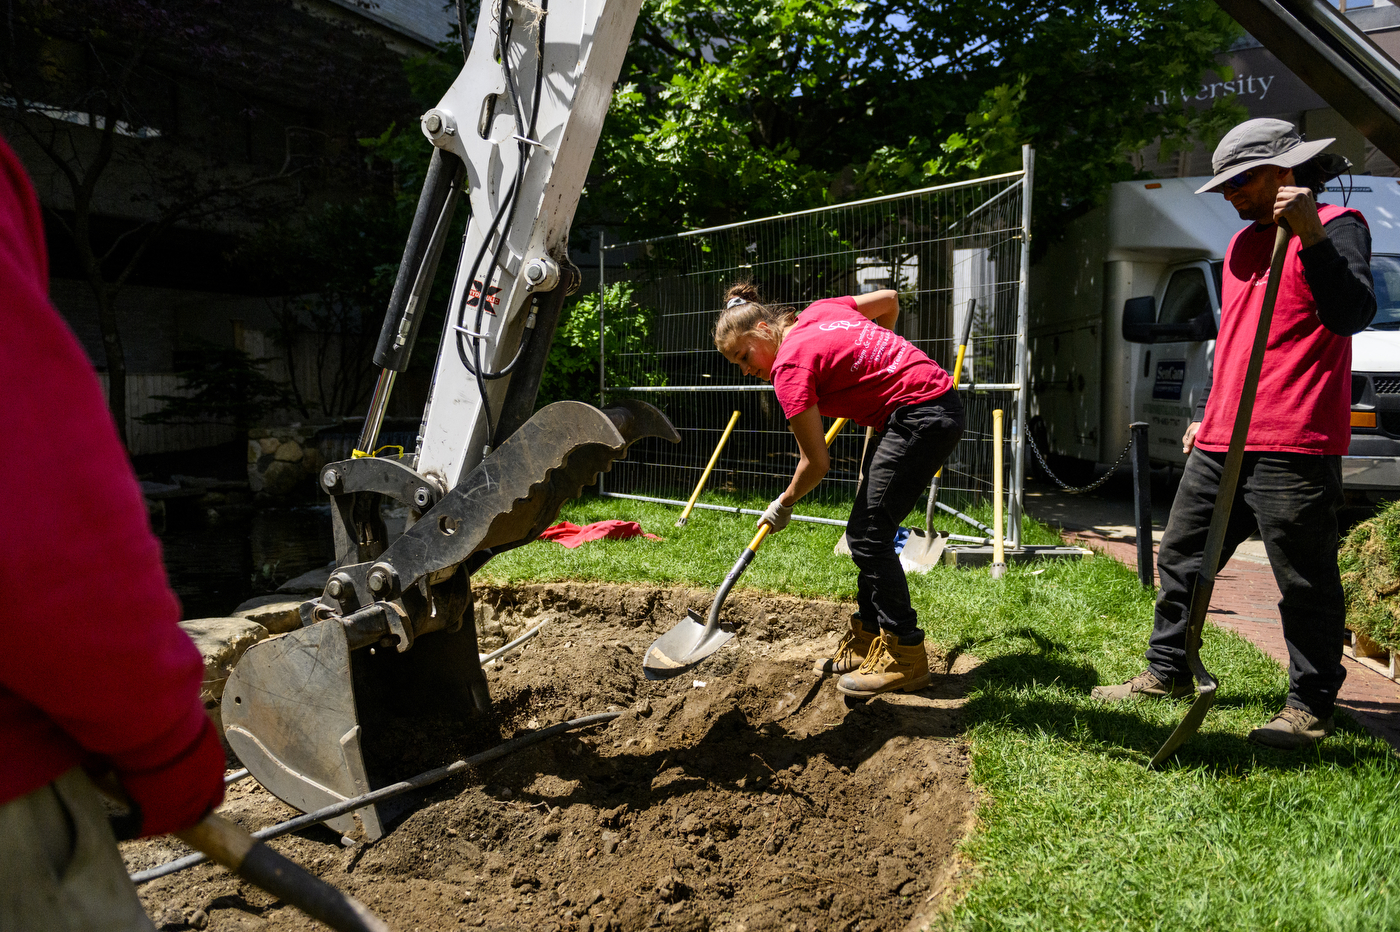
1074, 832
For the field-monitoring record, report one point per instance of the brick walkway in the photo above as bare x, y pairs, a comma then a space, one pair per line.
1245, 600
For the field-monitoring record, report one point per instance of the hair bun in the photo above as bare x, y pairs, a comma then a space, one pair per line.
746, 292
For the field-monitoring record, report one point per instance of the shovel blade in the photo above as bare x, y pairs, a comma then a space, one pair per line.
1194, 716
922, 549
683, 647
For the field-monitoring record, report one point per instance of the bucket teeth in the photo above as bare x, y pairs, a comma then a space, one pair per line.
303, 711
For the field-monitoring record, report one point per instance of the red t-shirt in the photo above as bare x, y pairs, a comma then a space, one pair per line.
95, 667
1304, 399
849, 366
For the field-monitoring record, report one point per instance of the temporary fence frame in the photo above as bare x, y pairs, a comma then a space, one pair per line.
1014, 389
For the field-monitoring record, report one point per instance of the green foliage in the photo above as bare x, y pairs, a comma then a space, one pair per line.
572, 370
223, 386
341, 258
1370, 563
745, 108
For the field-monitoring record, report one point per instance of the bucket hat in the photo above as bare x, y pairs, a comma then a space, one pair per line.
1267, 142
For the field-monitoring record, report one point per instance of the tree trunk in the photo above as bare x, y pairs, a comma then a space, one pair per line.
116, 357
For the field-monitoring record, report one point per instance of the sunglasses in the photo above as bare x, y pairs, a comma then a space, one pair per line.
1239, 181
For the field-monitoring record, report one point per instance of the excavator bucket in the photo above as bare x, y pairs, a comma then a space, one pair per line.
320, 714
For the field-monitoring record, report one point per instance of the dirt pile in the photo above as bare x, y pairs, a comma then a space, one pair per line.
745, 797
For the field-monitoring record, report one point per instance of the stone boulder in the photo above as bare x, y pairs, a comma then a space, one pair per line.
278, 613
281, 477
289, 451
221, 641
312, 582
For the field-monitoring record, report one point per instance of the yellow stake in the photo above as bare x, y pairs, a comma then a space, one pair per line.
714, 458
998, 546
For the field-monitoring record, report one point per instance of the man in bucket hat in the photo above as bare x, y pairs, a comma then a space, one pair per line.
1290, 484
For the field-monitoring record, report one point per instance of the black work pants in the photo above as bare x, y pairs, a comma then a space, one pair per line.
1292, 500
899, 465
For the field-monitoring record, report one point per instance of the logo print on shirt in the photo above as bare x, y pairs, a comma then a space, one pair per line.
841, 325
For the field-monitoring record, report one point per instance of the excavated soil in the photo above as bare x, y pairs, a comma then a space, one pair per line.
743, 797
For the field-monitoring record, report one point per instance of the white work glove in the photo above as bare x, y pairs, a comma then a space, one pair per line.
777, 515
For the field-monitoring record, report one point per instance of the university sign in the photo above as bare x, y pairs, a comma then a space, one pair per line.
1258, 81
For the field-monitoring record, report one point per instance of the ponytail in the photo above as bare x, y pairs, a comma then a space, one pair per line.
743, 313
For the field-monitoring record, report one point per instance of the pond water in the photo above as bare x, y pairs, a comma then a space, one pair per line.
216, 564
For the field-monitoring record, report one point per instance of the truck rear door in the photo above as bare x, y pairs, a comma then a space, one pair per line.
1170, 376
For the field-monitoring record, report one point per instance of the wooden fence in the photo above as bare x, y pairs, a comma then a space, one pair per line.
162, 438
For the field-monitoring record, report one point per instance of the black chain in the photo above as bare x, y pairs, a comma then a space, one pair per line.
1083, 489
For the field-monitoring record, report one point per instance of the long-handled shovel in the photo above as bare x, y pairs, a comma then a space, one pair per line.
255, 862
232, 846
693, 640
1206, 684
704, 476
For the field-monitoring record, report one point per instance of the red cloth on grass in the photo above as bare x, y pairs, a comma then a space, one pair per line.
95, 670
571, 535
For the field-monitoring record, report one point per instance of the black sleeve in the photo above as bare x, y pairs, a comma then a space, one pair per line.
1338, 271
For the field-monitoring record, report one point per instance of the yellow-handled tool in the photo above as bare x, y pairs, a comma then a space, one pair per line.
998, 538
693, 640
704, 476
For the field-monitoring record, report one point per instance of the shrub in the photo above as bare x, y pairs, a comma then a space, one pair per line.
1370, 563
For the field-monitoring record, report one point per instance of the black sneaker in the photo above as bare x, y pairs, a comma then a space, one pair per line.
1146, 685
1292, 729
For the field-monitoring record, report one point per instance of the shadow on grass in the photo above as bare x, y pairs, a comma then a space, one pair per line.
1122, 730
1045, 692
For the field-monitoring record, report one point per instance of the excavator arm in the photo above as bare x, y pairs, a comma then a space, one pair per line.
313, 713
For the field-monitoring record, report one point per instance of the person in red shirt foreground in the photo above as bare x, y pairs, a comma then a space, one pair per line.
95, 676
1291, 481
840, 358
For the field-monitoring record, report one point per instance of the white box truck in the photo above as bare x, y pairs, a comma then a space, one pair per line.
1124, 311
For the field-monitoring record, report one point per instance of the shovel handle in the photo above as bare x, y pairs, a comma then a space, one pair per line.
835, 429
234, 848
1224, 502
831, 433
709, 467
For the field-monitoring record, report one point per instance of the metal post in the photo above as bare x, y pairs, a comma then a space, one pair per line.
602, 329
1142, 502
1023, 367
602, 294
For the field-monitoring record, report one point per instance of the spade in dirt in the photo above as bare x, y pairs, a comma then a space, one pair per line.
692, 640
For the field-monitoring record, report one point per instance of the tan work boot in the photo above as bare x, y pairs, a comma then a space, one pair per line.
1292, 729
889, 665
850, 653
1146, 685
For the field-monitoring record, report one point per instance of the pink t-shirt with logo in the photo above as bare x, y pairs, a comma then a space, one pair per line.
849, 366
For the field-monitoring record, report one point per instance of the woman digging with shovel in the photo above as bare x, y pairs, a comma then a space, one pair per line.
839, 358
